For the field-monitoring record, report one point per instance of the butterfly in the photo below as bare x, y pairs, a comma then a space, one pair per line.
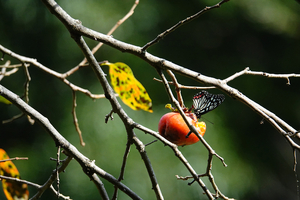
203, 102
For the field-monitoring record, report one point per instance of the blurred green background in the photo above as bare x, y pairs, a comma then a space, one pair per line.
262, 35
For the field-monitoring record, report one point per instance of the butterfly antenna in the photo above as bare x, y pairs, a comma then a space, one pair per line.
208, 120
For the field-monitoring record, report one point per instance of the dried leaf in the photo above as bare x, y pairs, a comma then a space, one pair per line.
130, 90
12, 189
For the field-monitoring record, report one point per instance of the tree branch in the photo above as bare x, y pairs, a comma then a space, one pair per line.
176, 26
96, 48
268, 75
77, 30
60, 76
52, 178
87, 165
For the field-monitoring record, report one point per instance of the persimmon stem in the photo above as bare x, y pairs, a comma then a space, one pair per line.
189, 133
177, 88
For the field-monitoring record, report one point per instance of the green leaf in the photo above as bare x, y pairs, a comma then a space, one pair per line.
3, 100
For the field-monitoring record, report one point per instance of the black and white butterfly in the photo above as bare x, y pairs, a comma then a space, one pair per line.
203, 102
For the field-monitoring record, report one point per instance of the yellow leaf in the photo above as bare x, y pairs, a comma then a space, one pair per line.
12, 189
130, 90
3, 100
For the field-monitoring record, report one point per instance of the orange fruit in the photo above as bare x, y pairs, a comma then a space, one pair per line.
172, 127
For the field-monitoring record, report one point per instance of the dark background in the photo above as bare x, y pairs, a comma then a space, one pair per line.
262, 35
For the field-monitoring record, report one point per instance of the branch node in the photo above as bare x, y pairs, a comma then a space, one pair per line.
3, 54
109, 115
288, 81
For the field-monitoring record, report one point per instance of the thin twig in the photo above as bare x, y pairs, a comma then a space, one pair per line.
26, 89
121, 176
295, 159
19, 181
26, 92
59, 195
97, 47
63, 76
109, 94
121, 21
3, 70
7, 65
280, 125
8, 73
177, 89
52, 178
187, 87
192, 128
100, 186
157, 62
49, 71
150, 143
85, 162
200, 78
57, 172
109, 115
210, 150
13, 118
173, 28
16, 158
269, 75
296, 174
75, 120
211, 178
2, 73
11, 66
32, 184
155, 186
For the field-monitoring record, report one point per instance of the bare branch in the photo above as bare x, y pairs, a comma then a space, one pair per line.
13, 118
7, 65
121, 176
11, 66
109, 93
8, 73
88, 166
96, 48
192, 128
109, 115
155, 186
19, 181
269, 75
173, 28
78, 31
16, 158
75, 120
31, 184
186, 87
26, 89
280, 125
56, 169
178, 91
210, 150
100, 187
121, 21
60, 76
52, 178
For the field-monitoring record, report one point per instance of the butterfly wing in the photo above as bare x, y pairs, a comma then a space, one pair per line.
203, 102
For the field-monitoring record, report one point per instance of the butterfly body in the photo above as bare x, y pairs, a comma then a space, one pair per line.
203, 102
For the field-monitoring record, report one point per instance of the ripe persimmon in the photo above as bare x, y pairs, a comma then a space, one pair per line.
172, 127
